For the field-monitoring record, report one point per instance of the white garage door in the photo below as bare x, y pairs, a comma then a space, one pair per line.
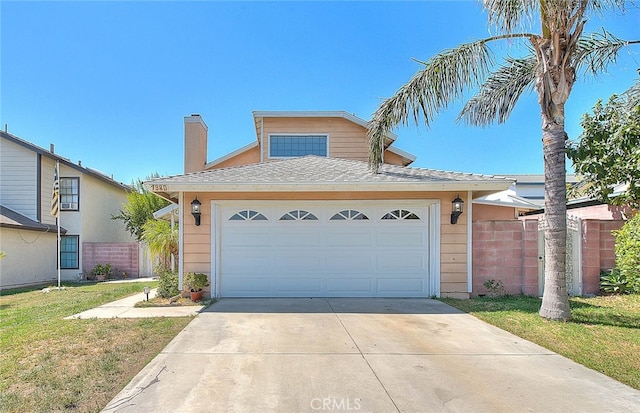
323, 249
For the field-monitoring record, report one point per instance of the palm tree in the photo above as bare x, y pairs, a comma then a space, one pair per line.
161, 239
555, 57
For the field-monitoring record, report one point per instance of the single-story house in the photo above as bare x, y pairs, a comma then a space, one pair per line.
298, 213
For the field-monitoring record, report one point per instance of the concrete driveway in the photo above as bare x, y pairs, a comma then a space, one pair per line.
360, 355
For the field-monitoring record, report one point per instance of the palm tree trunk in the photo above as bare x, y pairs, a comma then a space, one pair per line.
555, 300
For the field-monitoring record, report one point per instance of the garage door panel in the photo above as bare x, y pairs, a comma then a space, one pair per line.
399, 238
247, 238
306, 263
352, 239
235, 285
354, 285
324, 257
401, 285
354, 262
302, 286
242, 262
297, 237
402, 262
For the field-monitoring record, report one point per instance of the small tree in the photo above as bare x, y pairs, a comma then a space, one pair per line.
161, 239
628, 253
608, 151
140, 206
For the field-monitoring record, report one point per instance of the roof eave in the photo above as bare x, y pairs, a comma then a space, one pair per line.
160, 187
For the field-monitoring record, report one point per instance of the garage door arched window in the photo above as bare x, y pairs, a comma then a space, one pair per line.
400, 214
247, 215
298, 215
349, 215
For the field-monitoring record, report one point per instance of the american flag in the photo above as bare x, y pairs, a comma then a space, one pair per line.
55, 198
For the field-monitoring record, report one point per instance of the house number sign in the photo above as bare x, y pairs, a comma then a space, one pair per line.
156, 187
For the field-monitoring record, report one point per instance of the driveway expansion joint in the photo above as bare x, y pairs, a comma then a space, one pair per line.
363, 357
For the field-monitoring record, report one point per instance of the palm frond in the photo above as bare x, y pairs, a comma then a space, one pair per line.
499, 94
443, 79
507, 15
597, 51
631, 96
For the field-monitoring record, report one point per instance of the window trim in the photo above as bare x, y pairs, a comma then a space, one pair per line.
403, 215
299, 215
77, 237
73, 178
248, 215
295, 135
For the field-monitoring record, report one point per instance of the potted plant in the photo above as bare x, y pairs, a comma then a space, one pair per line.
194, 282
101, 272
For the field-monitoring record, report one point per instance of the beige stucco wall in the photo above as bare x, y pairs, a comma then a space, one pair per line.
453, 238
30, 259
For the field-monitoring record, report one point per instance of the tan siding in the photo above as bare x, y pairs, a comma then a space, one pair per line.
393, 158
346, 139
492, 212
245, 158
453, 253
197, 239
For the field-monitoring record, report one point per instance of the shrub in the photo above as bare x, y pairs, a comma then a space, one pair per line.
613, 282
495, 288
195, 281
628, 252
167, 283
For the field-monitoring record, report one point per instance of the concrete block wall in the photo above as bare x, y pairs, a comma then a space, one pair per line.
598, 251
498, 255
123, 257
508, 251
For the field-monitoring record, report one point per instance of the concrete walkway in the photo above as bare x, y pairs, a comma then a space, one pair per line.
124, 308
361, 355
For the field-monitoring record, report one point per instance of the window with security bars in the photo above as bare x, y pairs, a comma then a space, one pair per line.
286, 146
69, 194
69, 252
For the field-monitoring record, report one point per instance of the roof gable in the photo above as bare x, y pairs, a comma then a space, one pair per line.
65, 161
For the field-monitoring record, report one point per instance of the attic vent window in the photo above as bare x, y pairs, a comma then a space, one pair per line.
287, 146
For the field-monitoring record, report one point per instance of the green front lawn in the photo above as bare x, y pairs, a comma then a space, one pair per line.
604, 333
50, 364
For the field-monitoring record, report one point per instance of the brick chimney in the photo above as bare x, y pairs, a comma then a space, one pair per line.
195, 143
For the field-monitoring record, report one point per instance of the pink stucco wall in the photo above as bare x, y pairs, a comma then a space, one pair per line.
508, 251
123, 257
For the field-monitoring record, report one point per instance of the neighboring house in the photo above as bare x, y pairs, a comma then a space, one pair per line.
28, 231
298, 213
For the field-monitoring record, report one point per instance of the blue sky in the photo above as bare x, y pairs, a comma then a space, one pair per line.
109, 82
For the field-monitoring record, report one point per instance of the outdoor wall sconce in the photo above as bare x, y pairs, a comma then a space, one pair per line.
456, 209
195, 210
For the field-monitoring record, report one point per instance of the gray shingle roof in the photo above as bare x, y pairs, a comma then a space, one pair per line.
11, 219
319, 171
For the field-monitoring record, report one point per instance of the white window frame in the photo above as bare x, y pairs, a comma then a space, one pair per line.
294, 135
69, 206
